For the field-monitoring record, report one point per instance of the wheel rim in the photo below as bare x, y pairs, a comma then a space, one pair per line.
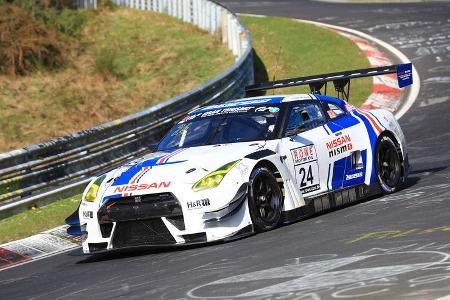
389, 165
267, 199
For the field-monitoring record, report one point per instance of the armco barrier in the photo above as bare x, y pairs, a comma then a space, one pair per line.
42, 173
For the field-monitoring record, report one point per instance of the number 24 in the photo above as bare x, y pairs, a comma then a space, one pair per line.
306, 175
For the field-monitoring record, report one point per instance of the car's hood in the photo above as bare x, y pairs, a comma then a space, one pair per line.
162, 171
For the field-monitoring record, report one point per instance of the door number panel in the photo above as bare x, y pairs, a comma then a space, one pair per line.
306, 168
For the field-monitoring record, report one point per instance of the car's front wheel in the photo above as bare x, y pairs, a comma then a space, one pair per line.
265, 200
388, 165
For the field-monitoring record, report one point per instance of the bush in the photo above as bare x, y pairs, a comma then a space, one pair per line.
69, 23
26, 43
31, 4
106, 63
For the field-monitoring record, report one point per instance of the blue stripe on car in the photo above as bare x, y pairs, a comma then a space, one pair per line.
104, 199
325, 127
338, 173
373, 140
126, 176
342, 123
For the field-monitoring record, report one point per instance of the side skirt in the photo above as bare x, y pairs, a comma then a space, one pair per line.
330, 201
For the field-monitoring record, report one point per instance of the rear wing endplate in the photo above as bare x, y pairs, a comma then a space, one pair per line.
341, 80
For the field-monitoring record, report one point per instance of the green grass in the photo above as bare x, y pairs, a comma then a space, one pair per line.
37, 220
287, 48
306, 50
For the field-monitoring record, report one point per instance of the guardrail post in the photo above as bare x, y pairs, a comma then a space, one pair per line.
224, 25
203, 14
179, 11
195, 12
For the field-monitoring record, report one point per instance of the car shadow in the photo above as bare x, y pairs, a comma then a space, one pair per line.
260, 74
428, 170
136, 252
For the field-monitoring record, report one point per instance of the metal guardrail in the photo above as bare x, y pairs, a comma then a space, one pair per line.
46, 172
85, 3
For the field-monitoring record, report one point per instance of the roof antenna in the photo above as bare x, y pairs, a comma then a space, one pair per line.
276, 67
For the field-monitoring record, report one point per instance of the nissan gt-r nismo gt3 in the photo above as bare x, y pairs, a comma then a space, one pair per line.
249, 165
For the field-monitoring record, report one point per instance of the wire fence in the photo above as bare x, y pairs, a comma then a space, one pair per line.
49, 171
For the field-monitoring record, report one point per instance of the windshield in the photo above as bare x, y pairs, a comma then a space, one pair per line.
212, 127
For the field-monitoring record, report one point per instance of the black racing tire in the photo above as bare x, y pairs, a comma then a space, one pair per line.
264, 200
388, 165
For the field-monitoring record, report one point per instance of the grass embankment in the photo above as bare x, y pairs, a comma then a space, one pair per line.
287, 48
305, 50
123, 61
37, 220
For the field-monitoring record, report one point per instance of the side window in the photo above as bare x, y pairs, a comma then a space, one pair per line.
303, 117
333, 111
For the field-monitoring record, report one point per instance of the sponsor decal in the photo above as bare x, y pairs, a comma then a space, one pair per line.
310, 189
234, 104
231, 110
331, 114
404, 75
307, 177
261, 109
87, 214
274, 109
141, 186
242, 168
271, 109
339, 145
198, 204
353, 176
306, 168
303, 154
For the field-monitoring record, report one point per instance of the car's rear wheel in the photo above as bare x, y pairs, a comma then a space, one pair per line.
388, 165
265, 200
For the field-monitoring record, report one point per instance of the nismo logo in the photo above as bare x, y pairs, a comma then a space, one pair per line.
339, 145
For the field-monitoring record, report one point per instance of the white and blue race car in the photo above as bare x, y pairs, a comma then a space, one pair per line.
244, 166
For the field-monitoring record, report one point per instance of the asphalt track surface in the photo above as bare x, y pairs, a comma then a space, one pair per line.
393, 247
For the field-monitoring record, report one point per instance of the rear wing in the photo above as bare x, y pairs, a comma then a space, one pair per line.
341, 80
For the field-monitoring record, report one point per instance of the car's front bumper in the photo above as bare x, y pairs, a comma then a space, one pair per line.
162, 220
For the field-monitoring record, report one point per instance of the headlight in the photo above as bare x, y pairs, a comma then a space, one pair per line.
213, 179
91, 194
